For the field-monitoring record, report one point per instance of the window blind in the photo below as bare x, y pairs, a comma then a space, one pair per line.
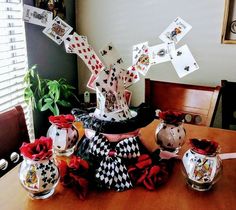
13, 59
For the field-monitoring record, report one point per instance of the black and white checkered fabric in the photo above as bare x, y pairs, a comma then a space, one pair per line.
111, 172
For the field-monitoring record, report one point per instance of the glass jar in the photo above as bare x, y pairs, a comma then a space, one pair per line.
39, 178
170, 137
64, 139
201, 171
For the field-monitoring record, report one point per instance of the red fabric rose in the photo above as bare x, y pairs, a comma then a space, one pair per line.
204, 146
74, 174
146, 172
62, 121
40, 149
171, 117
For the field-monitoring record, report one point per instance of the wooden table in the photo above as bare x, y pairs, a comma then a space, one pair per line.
175, 194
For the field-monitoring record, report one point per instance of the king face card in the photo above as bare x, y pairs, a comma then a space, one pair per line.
36, 16
58, 30
175, 31
184, 62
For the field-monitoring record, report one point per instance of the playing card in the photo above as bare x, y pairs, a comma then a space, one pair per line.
128, 95
175, 31
111, 56
81, 47
141, 58
91, 82
130, 76
183, 61
67, 45
36, 16
58, 30
159, 54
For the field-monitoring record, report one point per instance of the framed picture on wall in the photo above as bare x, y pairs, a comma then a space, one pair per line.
57, 7
228, 35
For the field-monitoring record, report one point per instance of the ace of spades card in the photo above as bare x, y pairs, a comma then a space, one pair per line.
58, 30
159, 54
141, 57
184, 62
111, 56
36, 16
175, 31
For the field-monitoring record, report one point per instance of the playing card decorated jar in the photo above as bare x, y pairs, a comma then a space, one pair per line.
202, 165
38, 173
170, 133
64, 134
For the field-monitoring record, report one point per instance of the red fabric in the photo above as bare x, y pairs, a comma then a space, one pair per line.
171, 117
74, 175
147, 173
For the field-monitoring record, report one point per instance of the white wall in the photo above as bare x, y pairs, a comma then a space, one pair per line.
129, 22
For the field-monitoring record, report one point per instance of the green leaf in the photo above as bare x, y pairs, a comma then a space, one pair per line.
64, 103
56, 110
48, 100
46, 106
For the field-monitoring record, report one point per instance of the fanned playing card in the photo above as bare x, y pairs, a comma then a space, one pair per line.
111, 56
36, 16
130, 76
184, 62
57, 30
159, 54
141, 58
175, 31
91, 82
81, 47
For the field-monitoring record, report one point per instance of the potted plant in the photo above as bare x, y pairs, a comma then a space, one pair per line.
45, 94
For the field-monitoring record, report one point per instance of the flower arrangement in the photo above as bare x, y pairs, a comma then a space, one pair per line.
171, 117
75, 174
62, 121
40, 149
204, 146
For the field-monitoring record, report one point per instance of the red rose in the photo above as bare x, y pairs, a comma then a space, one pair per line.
77, 163
62, 121
40, 149
204, 146
171, 117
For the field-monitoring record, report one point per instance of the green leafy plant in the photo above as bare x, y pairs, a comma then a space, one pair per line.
45, 94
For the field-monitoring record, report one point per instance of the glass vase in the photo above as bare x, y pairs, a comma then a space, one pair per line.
201, 171
64, 139
170, 137
39, 178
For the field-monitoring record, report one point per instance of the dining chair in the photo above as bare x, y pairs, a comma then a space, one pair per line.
13, 132
198, 103
228, 103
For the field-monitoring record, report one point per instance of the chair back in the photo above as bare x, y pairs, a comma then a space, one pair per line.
199, 103
13, 132
228, 103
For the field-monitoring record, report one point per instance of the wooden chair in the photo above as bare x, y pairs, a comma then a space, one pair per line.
199, 103
228, 103
13, 132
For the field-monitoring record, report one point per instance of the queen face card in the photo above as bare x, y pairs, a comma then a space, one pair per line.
36, 16
175, 31
184, 62
58, 30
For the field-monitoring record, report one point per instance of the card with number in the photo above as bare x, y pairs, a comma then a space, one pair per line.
184, 62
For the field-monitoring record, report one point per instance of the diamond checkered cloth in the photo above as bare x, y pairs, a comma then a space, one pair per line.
111, 172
